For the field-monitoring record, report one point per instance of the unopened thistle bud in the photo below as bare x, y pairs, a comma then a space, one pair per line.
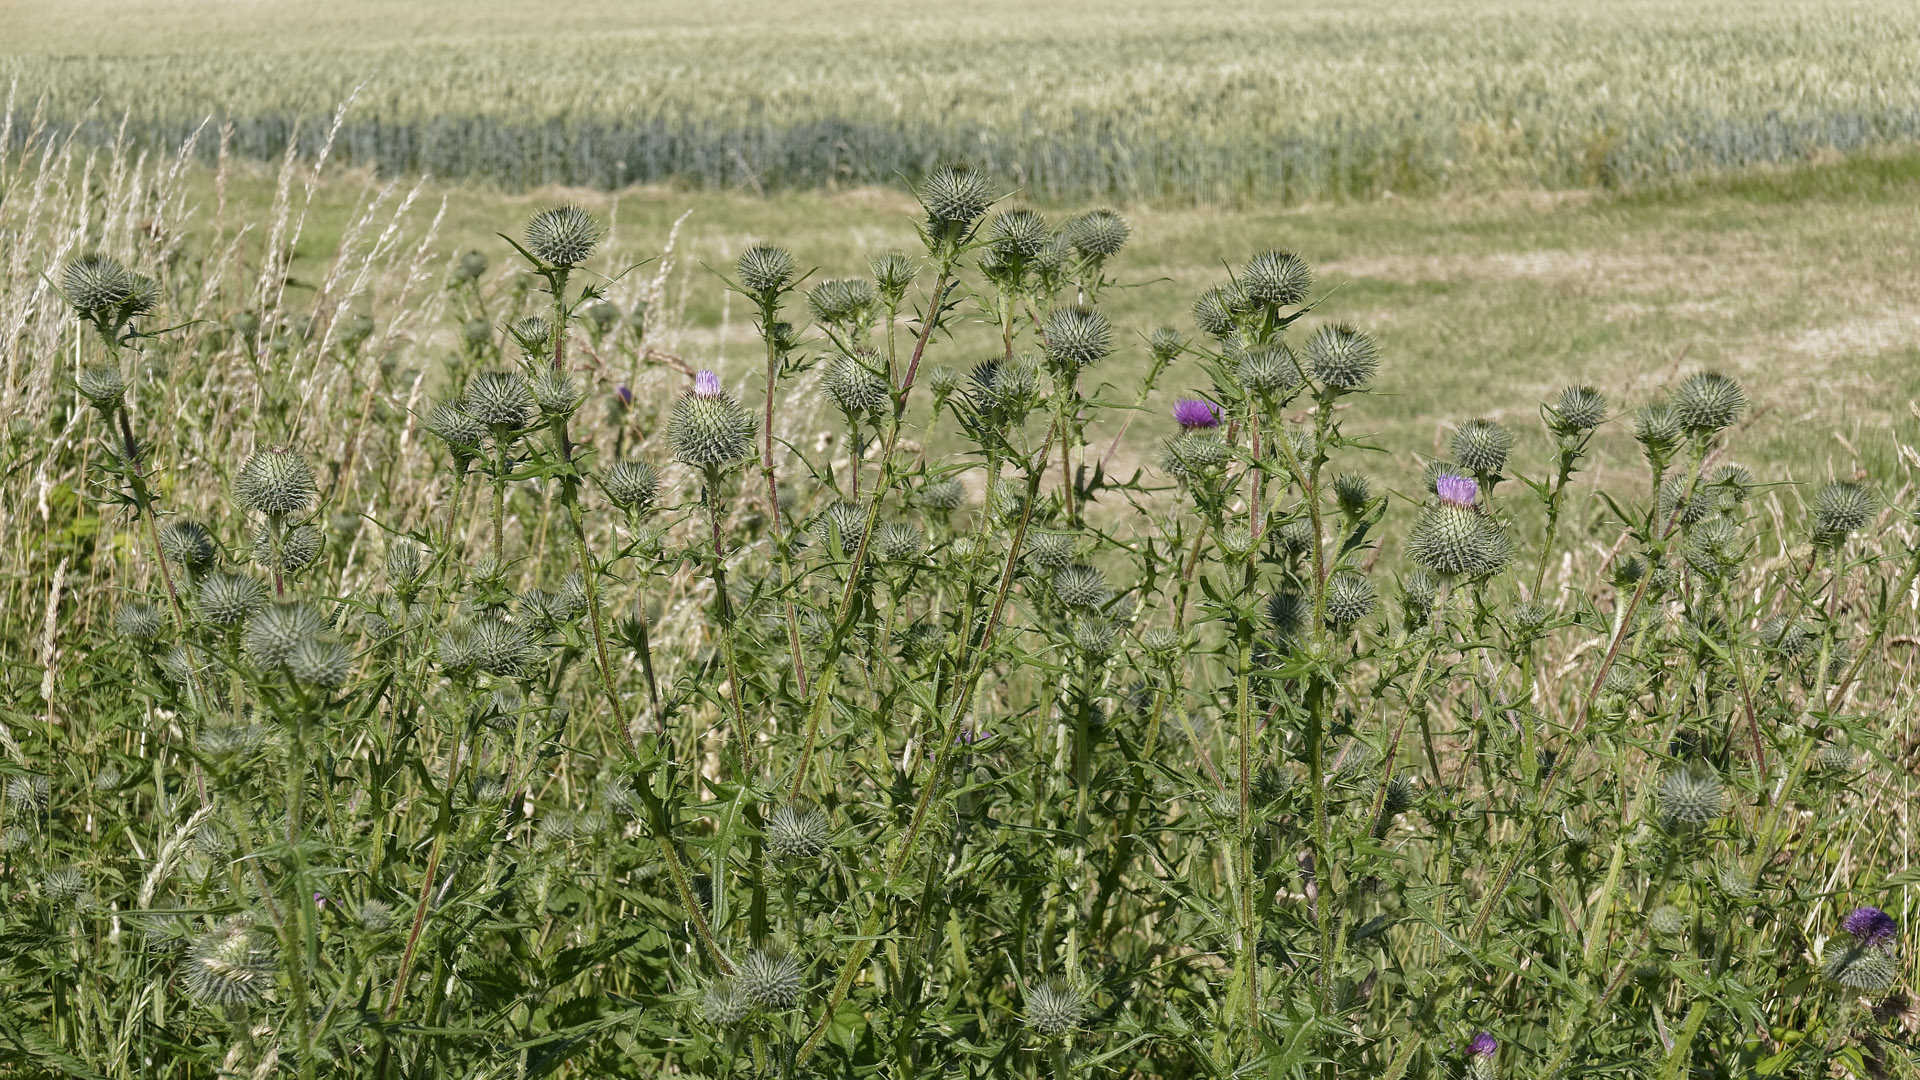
855, 387
1077, 337
769, 979
1418, 591
1193, 455
276, 482
899, 542
1018, 235
601, 317
274, 633
955, 196
102, 386
137, 621
1658, 428
1236, 543
534, 335
1836, 758
1579, 410
1081, 587
946, 493
231, 966
1667, 921
1098, 234
188, 544
298, 548
844, 302
460, 430
797, 832
477, 331
470, 266
1055, 1009
893, 274
1482, 446
320, 661
632, 485
1708, 401
1840, 509
230, 599
765, 270
358, 330
557, 394
1277, 278
498, 399
501, 648
1165, 344
95, 283
1213, 313
723, 1004
1693, 795
1352, 493
1269, 372
1350, 598
1341, 357
563, 236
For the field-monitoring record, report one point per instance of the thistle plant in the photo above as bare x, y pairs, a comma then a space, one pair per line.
1002, 686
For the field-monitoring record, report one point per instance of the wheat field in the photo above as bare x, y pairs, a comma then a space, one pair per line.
1217, 101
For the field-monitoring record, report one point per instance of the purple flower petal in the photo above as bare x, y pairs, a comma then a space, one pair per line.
1482, 1045
1456, 490
1871, 925
706, 384
624, 393
1193, 414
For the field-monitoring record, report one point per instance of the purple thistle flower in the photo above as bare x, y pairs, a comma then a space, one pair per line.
319, 900
1482, 1045
1193, 414
1871, 925
624, 393
1456, 490
707, 385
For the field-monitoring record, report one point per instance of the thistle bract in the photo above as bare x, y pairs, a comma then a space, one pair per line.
276, 482
765, 270
955, 195
707, 427
1341, 357
1482, 446
770, 980
1077, 337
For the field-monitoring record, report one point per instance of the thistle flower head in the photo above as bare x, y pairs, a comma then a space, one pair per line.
797, 831
1658, 428
563, 236
320, 661
501, 648
94, 283
765, 270
1352, 492
1482, 1045
955, 195
724, 1005
1098, 234
632, 485
276, 482
1456, 540
1708, 401
1341, 357
1077, 337
1277, 278
1870, 926
707, 427
534, 335
898, 541
1456, 490
1482, 446
1193, 414
498, 399
556, 393
769, 979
